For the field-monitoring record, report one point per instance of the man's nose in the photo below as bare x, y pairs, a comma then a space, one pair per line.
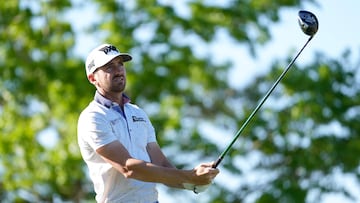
119, 69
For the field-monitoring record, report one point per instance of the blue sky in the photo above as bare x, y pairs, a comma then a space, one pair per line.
338, 30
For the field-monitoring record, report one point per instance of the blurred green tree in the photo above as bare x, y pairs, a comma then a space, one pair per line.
306, 137
43, 88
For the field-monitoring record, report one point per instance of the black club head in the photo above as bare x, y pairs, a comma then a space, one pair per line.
308, 22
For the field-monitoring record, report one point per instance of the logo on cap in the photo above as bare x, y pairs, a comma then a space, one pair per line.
108, 49
91, 64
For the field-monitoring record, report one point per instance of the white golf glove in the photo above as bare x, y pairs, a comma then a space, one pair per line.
196, 188
201, 188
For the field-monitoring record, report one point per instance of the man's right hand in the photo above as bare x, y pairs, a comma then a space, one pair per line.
203, 176
205, 173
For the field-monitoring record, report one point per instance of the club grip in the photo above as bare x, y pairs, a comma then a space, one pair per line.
217, 162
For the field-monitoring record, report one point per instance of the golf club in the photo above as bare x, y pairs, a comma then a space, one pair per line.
309, 25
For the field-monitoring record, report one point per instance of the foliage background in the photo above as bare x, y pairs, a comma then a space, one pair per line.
294, 146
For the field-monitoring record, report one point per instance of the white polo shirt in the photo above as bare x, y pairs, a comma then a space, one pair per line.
101, 123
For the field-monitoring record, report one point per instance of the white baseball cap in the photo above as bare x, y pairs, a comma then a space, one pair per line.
102, 55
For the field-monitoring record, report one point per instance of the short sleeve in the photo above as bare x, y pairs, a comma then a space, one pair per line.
95, 130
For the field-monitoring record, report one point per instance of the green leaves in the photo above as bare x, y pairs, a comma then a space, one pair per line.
309, 131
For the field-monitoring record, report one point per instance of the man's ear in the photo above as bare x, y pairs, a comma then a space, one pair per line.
91, 78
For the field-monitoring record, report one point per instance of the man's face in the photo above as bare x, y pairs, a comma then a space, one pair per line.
111, 78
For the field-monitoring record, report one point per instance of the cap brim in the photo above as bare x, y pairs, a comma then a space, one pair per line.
125, 57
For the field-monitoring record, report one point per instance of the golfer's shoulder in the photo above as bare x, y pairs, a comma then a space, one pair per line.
134, 108
94, 109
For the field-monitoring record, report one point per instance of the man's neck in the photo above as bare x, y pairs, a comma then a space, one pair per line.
114, 97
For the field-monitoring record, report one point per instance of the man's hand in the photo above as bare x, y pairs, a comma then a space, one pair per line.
202, 178
204, 174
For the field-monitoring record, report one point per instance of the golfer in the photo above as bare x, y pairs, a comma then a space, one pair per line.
118, 143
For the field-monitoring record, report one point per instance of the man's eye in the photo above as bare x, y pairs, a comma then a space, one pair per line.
110, 67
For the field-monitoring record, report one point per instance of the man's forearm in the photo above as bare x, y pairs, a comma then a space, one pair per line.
148, 172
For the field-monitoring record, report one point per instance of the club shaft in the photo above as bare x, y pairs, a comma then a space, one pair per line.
262, 101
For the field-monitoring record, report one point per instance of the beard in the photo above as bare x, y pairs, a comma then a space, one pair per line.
118, 84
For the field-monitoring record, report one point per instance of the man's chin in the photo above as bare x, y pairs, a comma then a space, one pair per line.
118, 89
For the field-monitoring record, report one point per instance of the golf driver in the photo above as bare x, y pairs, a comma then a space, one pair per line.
309, 25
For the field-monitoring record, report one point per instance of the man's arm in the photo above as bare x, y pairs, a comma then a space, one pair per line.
116, 154
158, 158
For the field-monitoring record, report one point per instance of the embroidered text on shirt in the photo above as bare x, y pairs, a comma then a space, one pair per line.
138, 119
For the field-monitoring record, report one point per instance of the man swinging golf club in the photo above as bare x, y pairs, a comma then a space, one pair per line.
118, 143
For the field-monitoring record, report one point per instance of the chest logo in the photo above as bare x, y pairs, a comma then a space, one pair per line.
138, 119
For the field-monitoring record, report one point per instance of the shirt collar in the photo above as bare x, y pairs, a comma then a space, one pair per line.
107, 102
